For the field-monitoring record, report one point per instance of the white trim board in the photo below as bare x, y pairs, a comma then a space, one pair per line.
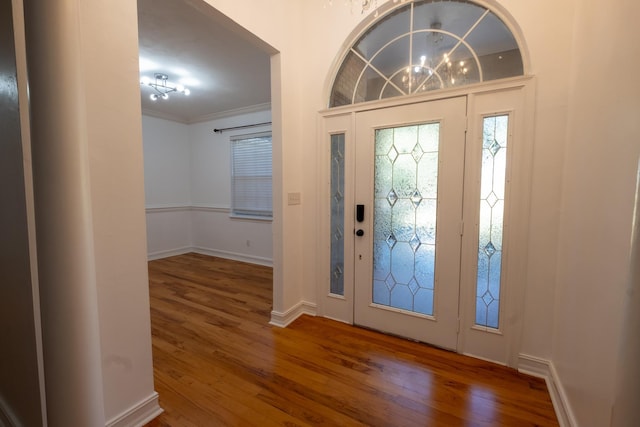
282, 320
169, 253
250, 259
187, 208
139, 414
267, 262
545, 369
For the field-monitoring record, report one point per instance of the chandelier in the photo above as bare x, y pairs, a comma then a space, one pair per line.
162, 87
437, 69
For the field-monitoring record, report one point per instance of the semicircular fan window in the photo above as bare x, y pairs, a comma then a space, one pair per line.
423, 46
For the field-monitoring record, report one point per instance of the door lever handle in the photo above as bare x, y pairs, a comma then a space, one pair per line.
360, 232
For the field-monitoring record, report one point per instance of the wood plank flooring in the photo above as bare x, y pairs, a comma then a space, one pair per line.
217, 362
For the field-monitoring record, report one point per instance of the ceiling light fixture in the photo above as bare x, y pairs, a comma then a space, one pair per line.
162, 87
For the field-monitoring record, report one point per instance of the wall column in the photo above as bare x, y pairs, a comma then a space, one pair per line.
71, 338
89, 204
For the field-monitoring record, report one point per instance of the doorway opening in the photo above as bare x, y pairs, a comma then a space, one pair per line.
188, 171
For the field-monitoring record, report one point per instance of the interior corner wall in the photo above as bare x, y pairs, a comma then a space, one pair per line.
167, 186
601, 161
188, 190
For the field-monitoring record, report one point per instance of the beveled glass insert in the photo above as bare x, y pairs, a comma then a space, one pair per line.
491, 223
406, 180
337, 214
426, 45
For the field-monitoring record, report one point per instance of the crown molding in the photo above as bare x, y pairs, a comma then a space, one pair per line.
232, 113
208, 117
164, 116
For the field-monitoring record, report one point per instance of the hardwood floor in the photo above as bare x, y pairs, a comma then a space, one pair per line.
217, 362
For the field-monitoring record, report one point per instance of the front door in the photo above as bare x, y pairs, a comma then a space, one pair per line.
409, 167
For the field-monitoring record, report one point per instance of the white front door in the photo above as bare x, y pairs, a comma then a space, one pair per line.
409, 174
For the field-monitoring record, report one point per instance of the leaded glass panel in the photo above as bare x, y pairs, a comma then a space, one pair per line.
406, 176
337, 214
492, 194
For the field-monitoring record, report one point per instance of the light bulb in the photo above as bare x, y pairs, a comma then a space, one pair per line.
423, 59
165, 96
187, 92
153, 97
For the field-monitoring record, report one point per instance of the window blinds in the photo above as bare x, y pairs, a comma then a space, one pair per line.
251, 172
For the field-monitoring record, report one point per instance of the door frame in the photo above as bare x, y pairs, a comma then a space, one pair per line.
505, 343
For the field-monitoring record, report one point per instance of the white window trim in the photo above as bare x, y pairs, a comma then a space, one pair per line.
247, 216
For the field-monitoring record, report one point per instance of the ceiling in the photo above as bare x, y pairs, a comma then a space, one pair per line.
225, 67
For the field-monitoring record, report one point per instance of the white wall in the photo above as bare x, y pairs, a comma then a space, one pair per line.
167, 163
167, 186
89, 209
187, 188
601, 158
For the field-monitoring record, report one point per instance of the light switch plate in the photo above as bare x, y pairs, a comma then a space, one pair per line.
294, 198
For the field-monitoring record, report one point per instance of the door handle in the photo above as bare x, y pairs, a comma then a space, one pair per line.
360, 213
360, 232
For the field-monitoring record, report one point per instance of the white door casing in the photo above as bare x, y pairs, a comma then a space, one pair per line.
513, 97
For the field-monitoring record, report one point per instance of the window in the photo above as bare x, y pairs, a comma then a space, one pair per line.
251, 171
426, 45
491, 224
337, 213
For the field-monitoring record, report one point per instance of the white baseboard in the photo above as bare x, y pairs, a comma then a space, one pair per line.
211, 252
234, 256
283, 320
166, 254
138, 415
545, 369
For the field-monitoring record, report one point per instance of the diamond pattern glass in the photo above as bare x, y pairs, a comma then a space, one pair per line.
337, 214
492, 190
405, 217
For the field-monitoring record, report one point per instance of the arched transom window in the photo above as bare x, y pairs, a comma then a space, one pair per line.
426, 45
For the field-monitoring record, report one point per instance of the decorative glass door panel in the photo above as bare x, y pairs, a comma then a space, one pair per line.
406, 181
409, 176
